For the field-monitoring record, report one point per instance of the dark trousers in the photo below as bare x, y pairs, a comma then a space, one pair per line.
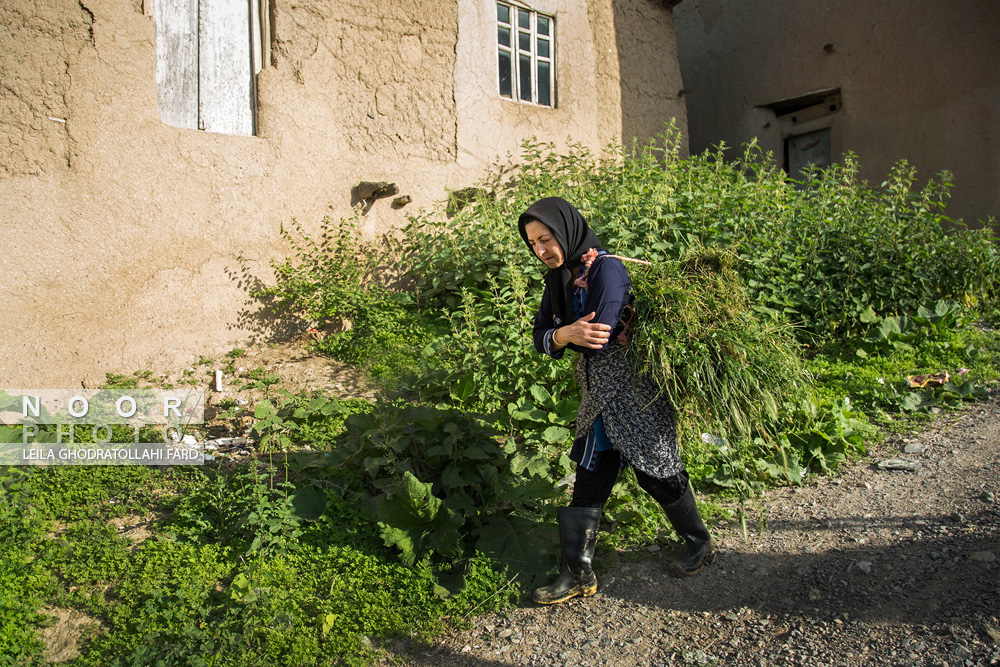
593, 488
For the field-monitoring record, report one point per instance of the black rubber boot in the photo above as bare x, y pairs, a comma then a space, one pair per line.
578, 540
697, 550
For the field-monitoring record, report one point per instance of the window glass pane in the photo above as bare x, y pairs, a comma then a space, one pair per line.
503, 13
503, 36
543, 84
506, 86
523, 19
543, 48
524, 41
543, 25
525, 73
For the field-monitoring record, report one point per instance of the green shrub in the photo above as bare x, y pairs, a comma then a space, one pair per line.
198, 592
442, 484
250, 511
338, 280
827, 256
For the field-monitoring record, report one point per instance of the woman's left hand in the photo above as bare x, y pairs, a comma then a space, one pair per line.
583, 333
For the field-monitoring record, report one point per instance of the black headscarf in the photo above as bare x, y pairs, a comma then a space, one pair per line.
575, 238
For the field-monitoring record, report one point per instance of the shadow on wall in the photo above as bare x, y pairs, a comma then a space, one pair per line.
261, 316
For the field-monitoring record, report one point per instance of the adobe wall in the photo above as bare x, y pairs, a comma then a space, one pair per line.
135, 244
919, 81
649, 71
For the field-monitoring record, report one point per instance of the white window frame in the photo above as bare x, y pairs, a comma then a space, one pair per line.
514, 53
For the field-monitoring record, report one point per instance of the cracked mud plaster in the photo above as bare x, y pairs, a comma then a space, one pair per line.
34, 84
392, 102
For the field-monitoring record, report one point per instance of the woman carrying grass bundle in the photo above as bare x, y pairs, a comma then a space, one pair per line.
623, 419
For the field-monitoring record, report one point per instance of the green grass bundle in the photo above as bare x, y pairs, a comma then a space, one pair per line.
696, 336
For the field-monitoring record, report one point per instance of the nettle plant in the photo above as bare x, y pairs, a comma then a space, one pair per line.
812, 260
444, 485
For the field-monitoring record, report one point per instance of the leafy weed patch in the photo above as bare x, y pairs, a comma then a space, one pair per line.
361, 522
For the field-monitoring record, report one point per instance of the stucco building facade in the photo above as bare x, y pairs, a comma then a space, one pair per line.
886, 80
134, 237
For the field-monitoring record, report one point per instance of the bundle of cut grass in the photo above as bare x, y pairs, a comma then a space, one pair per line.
696, 336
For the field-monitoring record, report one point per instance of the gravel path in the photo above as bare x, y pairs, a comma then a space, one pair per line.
874, 567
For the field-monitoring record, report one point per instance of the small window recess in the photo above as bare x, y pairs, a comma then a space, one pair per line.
806, 124
525, 54
806, 151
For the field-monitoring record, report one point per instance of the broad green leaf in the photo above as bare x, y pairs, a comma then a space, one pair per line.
448, 584
309, 502
333, 407
518, 463
538, 465
418, 522
543, 397
914, 401
890, 325
556, 434
950, 388
463, 389
567, 408
439, 449
723, 477
263, 410
527, 547
452, 478
534, 414
462, 503
239, 589
477, 453
411, 550
330, 621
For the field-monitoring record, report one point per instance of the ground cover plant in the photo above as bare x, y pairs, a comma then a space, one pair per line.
229, 572
361, 521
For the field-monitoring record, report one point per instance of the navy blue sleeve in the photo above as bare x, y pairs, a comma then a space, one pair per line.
608, 292
544, 327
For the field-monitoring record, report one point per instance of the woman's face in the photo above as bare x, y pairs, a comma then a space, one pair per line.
544, 244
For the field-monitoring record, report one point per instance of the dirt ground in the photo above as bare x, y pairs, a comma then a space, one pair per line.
873, 567
299, 369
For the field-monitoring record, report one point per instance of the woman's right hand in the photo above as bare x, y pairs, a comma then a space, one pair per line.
584, 333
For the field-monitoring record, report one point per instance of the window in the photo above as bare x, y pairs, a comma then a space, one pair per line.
806, 124
525, 52
805, 151
207, 53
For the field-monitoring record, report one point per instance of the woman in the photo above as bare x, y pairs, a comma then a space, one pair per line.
623, 419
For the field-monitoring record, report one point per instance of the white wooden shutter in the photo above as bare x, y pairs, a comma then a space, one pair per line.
176, 24
204, 64
225, 97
